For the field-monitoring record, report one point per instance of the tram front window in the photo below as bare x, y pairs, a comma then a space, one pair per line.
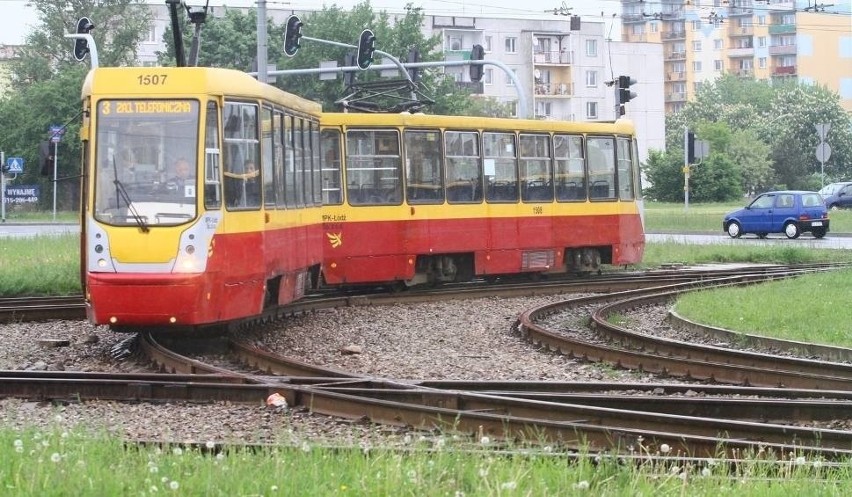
146, 162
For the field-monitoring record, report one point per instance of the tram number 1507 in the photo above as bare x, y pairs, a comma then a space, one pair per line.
152, 79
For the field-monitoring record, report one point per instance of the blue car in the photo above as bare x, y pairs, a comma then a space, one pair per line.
789, 212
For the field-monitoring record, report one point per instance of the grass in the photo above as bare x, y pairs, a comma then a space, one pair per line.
807, 309
43, 265
67, 462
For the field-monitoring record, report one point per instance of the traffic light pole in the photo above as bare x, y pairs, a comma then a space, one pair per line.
685, 168
2, 188
55, 168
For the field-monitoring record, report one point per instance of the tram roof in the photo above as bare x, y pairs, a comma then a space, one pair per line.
621, 126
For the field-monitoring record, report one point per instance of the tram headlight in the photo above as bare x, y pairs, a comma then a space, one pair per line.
190, 249
102, 263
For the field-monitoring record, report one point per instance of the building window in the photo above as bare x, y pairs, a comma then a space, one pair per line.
454, 42
152, 35
761, 62
696, 46
592, 48
509, 80
696, 66
655, 27
717, 65
696, 25
761, 20
591, 79
718, 44
487, 45
513, 108
511, 43
697, 86
488, 76
761, 41
591, 110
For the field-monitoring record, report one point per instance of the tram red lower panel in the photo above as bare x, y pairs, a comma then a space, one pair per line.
379, 251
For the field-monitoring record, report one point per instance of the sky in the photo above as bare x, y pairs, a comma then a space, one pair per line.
24, 17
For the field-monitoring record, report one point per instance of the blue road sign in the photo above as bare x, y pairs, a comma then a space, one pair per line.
56, 133
15, 164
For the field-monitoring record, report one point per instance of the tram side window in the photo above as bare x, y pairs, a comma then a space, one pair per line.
464, 174
242, 150
316, 165
280, 150
500, 167
536, 184
289, 162
625, 172
373, 167
601, 153
424, 184
331, 192
570, 171
298, 164
212, 185
267, 159
637, 173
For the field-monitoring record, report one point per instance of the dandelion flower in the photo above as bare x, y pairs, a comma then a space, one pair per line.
177, 451
18, 443
817, 464
509, 485
273, 488
210, 444
154, 489
706, 472
582, 485
665, 449
55, 457
153, 469
174, 485
485, 440
220, 456
800, 460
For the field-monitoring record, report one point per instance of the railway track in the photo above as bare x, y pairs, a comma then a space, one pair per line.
701, 420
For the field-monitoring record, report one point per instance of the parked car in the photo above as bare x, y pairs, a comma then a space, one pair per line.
837, 195
789, 212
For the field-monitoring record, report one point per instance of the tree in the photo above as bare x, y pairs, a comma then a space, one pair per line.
779, 116
230, 41
47, 80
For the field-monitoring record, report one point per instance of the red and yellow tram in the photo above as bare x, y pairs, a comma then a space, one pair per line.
414, 199
202, 196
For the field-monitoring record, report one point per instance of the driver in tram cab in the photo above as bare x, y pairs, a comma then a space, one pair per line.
183, 181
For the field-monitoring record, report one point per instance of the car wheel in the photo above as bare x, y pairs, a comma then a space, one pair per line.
734, 229
762, 235
818, 232
791, 230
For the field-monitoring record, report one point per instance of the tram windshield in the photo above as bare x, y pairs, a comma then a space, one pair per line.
146, 162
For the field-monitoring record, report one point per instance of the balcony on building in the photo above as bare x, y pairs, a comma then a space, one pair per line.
632, 18
783, 71
635, 37
676, 76
782, 29
743, 73
475, 87
453, 22
554, 89
675, 13
782, 49
674, 35
676, 97
675, 56
740, 30
553, 57
741, 52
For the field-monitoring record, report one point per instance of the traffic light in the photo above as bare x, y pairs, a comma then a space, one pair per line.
414, 57
690, 147
81, 47
292, 35
624, 93
46, 158
476, 70
366, 47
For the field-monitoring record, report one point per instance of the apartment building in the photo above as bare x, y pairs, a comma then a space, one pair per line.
764, 39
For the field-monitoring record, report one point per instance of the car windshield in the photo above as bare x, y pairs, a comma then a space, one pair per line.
146, 159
